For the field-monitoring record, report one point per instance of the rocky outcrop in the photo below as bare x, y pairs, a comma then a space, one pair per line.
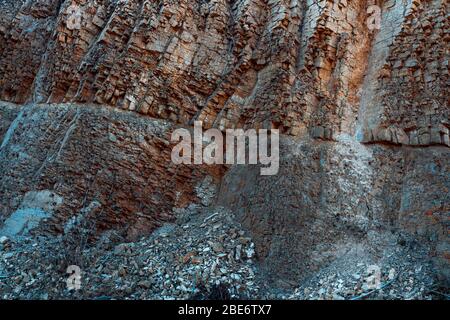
92, 91
332, 197
111, 167
410, 104
209, 61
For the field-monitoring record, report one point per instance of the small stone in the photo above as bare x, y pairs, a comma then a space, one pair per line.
250, 252
391, 275
337, 297
217, 247
8, 255
196, 260
238, 252
120, 249
4, 240
145, 284
244, 240
122, 271
112, 137
188, 257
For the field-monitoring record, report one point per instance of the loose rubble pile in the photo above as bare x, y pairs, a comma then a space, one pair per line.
402, 275
195, 259
205, 255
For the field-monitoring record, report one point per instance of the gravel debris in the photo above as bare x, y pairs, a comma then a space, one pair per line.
205, 254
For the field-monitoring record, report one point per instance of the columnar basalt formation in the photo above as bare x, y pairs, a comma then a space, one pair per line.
92, 90
412, 84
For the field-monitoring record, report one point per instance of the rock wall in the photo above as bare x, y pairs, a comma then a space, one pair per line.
94, 88
112, 167
410, 106
296, 65
332, 197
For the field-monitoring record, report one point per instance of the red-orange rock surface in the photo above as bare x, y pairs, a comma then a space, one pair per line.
93, 89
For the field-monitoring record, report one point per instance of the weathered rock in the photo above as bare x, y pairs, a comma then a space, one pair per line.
93, 90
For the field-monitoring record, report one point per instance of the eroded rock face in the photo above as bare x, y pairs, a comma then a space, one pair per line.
332, 197
95, 88
296, 65
87, 154
409, 104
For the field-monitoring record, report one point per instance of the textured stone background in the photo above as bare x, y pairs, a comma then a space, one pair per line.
88, 114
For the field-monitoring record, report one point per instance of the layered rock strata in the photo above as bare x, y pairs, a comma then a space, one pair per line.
93, 90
